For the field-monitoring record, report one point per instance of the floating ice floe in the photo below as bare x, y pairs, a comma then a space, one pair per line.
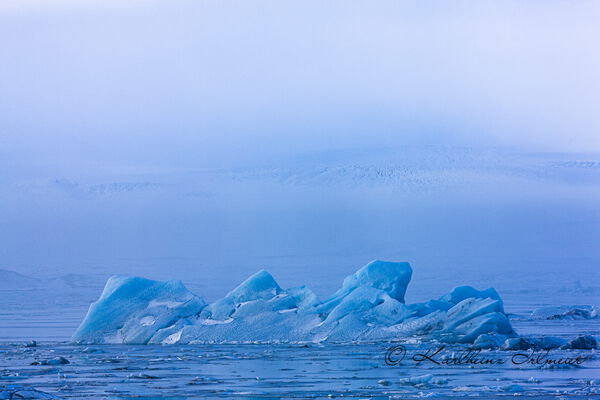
21, 392
368, 307
566, 312
584, 342
52, 361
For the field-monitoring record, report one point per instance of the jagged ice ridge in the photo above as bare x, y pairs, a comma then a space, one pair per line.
368, 307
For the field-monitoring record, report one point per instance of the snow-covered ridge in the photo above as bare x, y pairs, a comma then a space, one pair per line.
88, 190
368, 307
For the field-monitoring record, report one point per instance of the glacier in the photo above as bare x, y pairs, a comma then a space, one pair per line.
369, 306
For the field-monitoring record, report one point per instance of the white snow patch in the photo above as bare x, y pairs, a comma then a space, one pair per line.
168, 304
216, 321
148, 320
174, 338
116, 338
288, 310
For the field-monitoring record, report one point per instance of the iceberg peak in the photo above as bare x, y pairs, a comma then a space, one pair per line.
461, 293
260, 285
391, 277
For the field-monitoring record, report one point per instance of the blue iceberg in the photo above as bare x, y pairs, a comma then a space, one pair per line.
368, 307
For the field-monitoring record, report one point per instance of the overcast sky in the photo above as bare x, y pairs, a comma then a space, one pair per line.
119, 121
201, 83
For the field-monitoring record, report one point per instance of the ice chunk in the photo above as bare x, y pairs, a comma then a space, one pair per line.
391, 277
20, 392
303, 296
512, 388
416, 380
468, 309
461, 293
422, 309
360, 300
132, 310
526, 343
585, 342
566, 312
489, 341
473, 317
52, 361
260, 286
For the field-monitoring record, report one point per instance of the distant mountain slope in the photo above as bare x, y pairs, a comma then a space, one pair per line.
410, 169
10, 280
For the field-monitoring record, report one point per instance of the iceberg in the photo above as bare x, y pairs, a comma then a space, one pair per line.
369, 306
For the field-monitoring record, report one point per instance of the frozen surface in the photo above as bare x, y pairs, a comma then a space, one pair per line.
369, 306
281, 372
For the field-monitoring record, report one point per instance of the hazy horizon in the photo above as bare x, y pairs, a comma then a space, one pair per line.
181, 139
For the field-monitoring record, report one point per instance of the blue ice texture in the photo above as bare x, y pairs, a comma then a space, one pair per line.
369, 306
